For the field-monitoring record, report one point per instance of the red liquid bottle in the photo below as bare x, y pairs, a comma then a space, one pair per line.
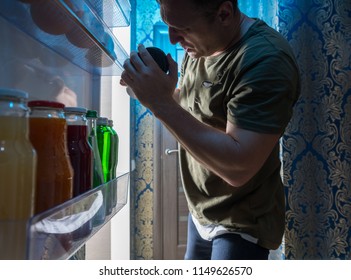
79, 149
81, 157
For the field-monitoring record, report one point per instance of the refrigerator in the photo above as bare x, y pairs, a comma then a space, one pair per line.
72, 52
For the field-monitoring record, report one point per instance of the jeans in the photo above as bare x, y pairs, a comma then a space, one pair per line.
229, 246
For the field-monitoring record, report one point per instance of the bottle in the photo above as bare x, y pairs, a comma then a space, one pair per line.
80, 154
79, 149
48, 134
98, 177
113, 161
114, 150
17, 173
104, 143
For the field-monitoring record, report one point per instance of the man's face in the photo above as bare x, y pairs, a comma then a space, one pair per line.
189, 27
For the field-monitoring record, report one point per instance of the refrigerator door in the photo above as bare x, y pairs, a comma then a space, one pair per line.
68, 51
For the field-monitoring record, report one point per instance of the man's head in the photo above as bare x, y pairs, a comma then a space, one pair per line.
201, 27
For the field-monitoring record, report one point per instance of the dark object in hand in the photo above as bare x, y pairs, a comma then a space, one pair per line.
160, 57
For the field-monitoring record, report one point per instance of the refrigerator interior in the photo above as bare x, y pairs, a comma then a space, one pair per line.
51, 67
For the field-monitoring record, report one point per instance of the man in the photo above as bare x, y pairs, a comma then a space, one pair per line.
239, 82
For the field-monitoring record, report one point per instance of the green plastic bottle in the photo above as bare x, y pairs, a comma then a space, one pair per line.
113, 160
114, 150
103, 134
98, 177
104, 143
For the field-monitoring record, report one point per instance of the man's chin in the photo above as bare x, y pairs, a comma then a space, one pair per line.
193, 54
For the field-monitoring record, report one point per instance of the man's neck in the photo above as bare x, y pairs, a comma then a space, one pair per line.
239, 28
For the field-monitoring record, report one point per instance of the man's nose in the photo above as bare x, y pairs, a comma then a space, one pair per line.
174, 36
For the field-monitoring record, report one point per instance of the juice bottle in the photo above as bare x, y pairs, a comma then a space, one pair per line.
17, 173
48, 134
80, 154
79, 149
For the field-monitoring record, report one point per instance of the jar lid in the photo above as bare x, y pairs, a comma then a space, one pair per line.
13, 93
46, 103
102, 121
92, 114
75, 110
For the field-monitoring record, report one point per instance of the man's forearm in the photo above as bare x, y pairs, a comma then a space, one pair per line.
213, 148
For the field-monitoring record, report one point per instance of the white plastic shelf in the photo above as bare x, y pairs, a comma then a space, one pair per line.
59, 232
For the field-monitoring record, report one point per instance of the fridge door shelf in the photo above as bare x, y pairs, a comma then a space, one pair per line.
59, 232
74, 29
115, 13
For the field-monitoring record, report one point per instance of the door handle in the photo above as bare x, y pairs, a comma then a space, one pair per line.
169, 151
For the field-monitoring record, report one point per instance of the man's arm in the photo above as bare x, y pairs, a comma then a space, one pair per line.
235, 155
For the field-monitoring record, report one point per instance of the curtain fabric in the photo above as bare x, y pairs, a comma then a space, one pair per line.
316, 149
317, 146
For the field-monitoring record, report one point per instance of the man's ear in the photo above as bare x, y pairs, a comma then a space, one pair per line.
226, 12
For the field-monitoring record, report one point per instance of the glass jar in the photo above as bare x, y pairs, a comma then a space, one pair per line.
17, 173
79, 149
48, 134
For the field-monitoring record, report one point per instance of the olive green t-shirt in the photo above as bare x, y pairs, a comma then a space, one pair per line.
254, 85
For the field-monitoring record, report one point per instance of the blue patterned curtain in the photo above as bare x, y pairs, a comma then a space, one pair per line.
317, 146
316, 149
143, 18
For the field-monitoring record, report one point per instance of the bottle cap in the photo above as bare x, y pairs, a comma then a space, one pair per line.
110, 123
46, 103
76, 110
102, 121
92, 114
13, 93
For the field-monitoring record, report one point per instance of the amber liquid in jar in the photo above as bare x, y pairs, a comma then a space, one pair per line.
17, 175
54, 183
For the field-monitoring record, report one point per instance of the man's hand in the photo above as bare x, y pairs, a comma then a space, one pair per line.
150, 84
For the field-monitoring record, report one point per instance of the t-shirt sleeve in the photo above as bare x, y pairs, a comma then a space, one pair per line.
264, 93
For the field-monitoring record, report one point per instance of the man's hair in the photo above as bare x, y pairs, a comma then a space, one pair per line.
209, 6
212, 4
